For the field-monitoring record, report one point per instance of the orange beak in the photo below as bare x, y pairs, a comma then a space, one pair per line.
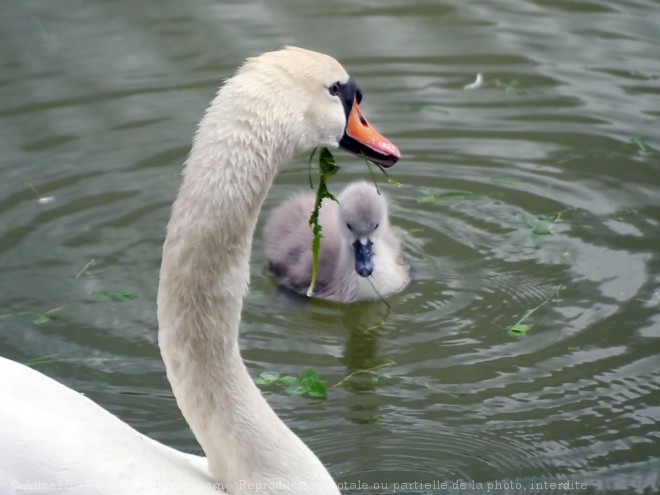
362, 139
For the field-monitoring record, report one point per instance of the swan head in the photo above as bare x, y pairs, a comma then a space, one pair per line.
363, 218
318, 100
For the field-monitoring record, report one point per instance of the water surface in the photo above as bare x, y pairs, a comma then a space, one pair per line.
539, 189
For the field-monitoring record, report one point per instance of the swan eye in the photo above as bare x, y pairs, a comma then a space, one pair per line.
335, 88
349, 227
376, 226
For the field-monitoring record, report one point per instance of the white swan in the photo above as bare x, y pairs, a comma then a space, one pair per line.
54, 440
357, 243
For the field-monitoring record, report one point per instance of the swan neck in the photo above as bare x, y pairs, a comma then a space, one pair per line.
204, 277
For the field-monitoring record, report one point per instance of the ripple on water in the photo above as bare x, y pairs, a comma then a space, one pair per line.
562, 136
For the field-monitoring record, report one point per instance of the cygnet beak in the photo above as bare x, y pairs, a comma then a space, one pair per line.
364, 258
363, 140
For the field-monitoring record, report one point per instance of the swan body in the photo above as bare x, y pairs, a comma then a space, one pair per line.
56, 440
360, 256
277, 105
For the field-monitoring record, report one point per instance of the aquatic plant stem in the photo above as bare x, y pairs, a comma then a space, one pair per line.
369, 370
327, 168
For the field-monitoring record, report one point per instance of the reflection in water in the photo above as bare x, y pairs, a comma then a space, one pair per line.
363, 324
99, 103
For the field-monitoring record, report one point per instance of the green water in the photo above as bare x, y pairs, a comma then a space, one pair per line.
98, 104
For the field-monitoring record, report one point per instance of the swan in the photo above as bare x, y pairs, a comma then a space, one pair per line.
357, 243
54, 440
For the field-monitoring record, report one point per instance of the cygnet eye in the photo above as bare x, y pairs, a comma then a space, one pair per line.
335, 88
376, 226
349, 227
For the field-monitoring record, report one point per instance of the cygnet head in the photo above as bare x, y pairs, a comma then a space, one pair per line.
312, 100
363, 218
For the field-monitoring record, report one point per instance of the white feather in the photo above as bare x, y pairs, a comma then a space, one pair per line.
478, 82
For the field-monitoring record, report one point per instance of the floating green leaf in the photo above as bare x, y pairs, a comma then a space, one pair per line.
537, 228
41, 319
308, 376
115, 295
45, 34
640, 75
269, 377
554, 217
643, 149
306, 383
296, 390
309, 380
286, 380
544, 226
316, 390
520, 328
509, 86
